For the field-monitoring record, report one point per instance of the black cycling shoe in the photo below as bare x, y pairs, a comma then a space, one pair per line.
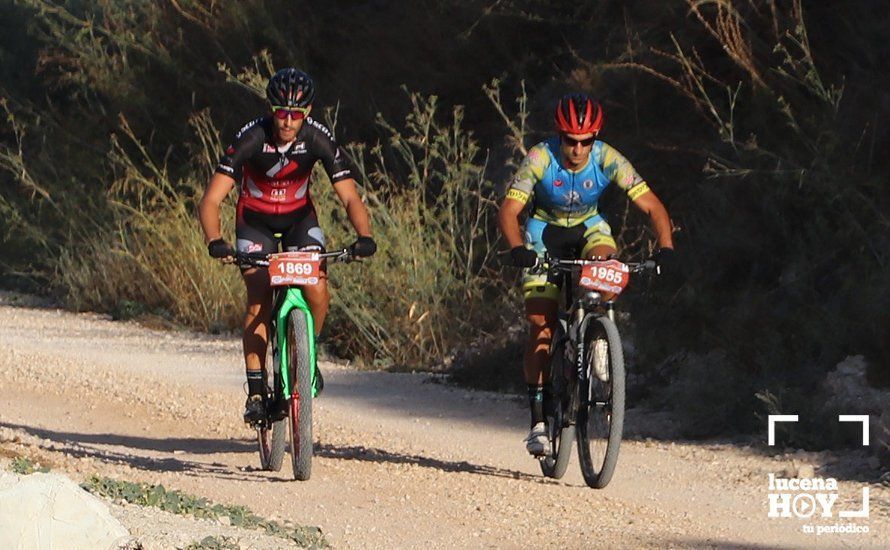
277, 409
255, 410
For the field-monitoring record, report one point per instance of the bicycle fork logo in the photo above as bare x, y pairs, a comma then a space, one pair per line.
579, 362
809, 497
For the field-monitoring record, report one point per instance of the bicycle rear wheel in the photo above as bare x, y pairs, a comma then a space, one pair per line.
300, 403
272, 443
561, 432
601, 411
279, 420
272, 436
264, 442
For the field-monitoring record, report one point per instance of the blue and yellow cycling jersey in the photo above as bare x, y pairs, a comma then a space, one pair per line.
565, 197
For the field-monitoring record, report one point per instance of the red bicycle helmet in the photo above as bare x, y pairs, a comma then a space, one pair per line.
578, 114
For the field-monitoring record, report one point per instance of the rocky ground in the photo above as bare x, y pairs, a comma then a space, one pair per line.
401, 461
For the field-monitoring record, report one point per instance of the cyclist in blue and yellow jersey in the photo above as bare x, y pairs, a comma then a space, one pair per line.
563, 177
272, 158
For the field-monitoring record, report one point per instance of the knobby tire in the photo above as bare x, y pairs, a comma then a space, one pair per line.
264, 443
279, 427
300, 405
600, 427
277, 434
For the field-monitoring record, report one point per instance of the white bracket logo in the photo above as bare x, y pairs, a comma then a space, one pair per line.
771, 425
857, 418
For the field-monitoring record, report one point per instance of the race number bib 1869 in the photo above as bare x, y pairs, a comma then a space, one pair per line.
294, 268
607, 276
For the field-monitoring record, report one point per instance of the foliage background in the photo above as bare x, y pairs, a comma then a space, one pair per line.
761, 124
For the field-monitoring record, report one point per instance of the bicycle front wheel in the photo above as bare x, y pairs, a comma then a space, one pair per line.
300, 406
601, 399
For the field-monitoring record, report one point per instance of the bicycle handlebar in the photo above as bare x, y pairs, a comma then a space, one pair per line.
549, 263
261, 259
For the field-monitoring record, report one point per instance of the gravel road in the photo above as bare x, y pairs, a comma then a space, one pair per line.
401, 461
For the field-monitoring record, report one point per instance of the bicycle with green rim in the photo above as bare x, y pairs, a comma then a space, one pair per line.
295, 380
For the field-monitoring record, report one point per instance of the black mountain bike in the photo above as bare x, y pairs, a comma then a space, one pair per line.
586, 369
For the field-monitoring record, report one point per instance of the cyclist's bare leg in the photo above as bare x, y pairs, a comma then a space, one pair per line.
256, 317
318, 298
542, 318
602, 251
541, 314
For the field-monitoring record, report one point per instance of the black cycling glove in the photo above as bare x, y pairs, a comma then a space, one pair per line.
363, 247
219, 248
666, 259
523, 257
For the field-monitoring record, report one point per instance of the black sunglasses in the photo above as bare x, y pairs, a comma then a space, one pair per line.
571, 142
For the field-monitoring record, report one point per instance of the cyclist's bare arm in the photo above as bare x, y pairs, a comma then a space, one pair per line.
508, 219
208, 209
355, 209
649, 203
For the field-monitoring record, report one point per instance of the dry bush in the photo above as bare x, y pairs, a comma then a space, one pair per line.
431, 287
152, 254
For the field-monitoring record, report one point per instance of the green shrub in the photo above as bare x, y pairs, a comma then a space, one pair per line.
177, 502
23, 465
214, 543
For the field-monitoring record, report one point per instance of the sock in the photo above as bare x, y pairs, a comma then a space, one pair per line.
536, 402
255, 383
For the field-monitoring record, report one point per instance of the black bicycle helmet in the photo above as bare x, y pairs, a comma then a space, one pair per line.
578, 114
290, 88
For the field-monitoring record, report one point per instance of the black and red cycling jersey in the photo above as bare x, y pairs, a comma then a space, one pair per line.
275, 179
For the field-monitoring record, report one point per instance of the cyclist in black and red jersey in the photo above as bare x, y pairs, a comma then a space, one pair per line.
272, 158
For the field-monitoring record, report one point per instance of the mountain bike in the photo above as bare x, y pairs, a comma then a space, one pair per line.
292, 358
586, 368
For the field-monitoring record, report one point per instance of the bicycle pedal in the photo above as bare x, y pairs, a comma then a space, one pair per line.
278, 410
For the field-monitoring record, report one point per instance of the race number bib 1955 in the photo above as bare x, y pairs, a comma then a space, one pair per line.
294, 268
607, 276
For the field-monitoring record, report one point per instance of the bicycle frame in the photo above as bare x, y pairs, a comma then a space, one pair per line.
284, 301
577, 313
577, 319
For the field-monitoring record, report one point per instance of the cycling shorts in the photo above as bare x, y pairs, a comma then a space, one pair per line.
561, 242
297, 230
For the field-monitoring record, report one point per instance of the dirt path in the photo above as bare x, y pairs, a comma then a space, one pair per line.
401, 462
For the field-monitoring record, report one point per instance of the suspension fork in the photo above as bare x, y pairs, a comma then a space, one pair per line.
582, 356
292, 299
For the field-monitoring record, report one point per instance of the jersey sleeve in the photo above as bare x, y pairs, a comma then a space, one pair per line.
248, 141
530, 172
619, 171
333, 157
